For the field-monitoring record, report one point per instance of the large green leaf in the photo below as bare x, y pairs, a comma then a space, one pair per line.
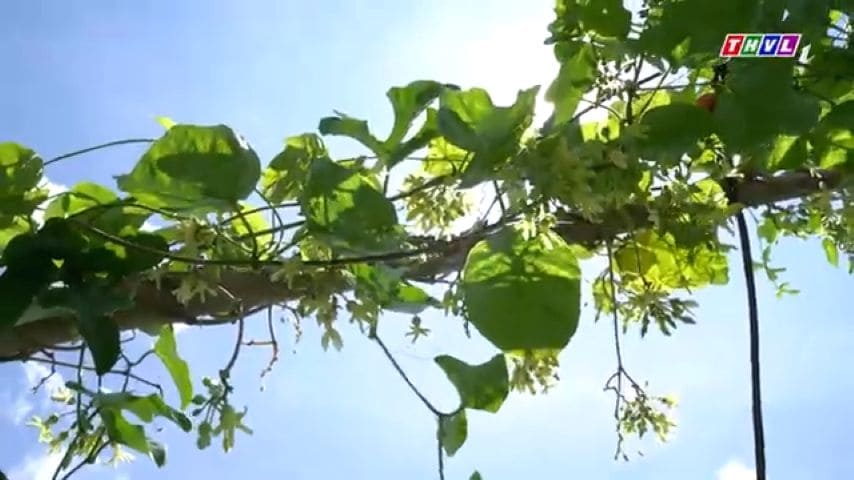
674, 129
345, 125
761, 104
483, 387
121, 431
248, 225
658, 260
345, 205
285, 177
199, 168
29, 267
684, 31
18, 286
575, 77
605, 17
387, 288
408, 102
93, 307
788, 152
469, 120
146, 408
453, 431
166, 349
833, 138
20, 174
98, 206
429, 132
523, 294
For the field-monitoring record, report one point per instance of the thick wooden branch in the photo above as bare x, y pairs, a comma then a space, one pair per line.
156, 307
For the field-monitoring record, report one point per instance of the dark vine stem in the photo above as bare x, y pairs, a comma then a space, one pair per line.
435, 411
755, 378
99, 147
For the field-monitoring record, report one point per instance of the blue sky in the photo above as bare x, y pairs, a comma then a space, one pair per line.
80, 73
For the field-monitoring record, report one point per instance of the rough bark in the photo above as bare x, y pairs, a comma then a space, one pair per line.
155, 307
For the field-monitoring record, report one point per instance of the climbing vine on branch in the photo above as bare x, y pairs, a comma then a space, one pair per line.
203, 232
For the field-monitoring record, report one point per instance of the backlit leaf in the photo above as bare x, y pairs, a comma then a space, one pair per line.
166, 349
453, 431
523, 294
483, 387
199, 168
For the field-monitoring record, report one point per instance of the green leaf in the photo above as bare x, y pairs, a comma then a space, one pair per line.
93, 307
475, 476
165, 122
166, 349
11, 227
411, 299
767, 230
96, 205
385, 286
141, 257
469, 120
408, 102
249, 223
284, 178
674, 129
429, 131
230, 422
354, 128
346, 205
682, 31
443, 158
760, 104
22, 169
787, 153
18, 286
830, 251
197, 168
833, 137
605, 17
453, 431
575, 77
482, 387
146, 408
523, 294
660, 261
20, 173
157, 452
121, 431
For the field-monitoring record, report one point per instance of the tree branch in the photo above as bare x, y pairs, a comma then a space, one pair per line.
155, 307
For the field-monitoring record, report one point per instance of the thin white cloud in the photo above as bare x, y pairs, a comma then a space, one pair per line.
20, 410
35, 372
735, 470
36, 467
25, 402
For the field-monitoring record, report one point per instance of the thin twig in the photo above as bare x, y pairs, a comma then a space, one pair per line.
93, 455
403, 375
99, 147
60, 363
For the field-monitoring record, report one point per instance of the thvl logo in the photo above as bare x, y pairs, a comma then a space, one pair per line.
774, 45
